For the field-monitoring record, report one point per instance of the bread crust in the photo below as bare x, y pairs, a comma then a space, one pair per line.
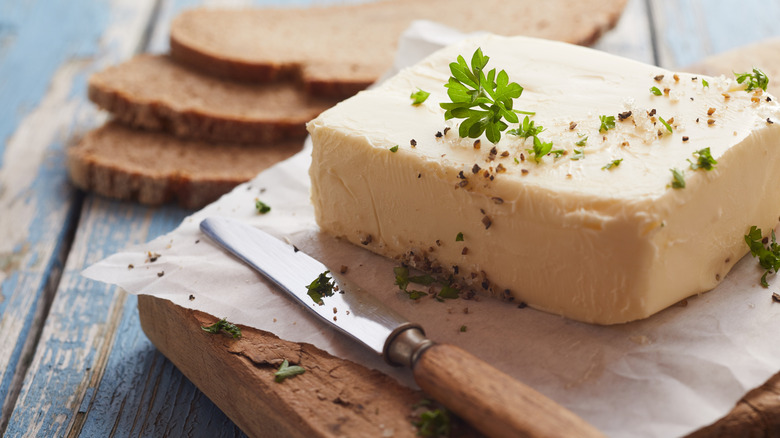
156, 168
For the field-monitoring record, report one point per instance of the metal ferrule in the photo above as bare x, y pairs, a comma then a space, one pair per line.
405, 345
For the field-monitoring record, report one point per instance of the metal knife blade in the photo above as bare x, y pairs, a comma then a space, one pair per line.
493, 402
356, 313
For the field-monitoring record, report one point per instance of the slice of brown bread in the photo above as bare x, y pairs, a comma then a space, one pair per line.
155, 168
339, 50
152, 92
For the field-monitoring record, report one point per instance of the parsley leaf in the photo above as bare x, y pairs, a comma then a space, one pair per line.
322, 286
756, 79
262, 207
527, 129
656, 91
448, 292
285, 371
768, 253
482, 100
611, 164
419, 97
459, 237
394, 149
540, 149
704, 160
402, 279
705, 83
678, 179
223, 325
607, 123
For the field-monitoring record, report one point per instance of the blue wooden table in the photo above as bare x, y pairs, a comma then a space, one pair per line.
73, 358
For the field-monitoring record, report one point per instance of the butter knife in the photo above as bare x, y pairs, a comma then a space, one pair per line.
494, 403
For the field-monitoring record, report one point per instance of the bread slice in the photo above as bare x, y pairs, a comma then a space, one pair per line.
155, 168
152, 92
336, 51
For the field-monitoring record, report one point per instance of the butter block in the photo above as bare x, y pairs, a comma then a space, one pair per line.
568, 234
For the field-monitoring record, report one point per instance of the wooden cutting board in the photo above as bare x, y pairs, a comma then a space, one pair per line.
335, 397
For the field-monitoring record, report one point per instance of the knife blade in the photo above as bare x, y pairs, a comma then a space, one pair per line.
493, 402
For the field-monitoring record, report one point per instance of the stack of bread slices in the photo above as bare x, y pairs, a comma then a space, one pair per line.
235, 92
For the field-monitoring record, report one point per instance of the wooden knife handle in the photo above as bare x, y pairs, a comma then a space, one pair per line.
494, 403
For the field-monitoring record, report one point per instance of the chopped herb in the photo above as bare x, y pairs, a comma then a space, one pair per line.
482, 100
223, 326
419, 96
517, 161
463, 329
582, 142
768, 253
402, 279
705, 83
262, 207
757, 79
656, 91
394, 149
668, 126
540, 149
285, 371
448, 292
704, 160
527, 129
611, 164
459, 237
579, 154
434, 423
678, 179
558, 153
607, 123
322, 286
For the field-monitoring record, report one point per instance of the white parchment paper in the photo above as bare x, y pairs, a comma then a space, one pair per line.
665, 376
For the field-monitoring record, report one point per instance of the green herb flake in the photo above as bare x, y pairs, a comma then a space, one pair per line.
704, 160
655, 91
527, 129
517, 161
607, 123
540, 149
582, 142
286, 371
705, 83
434, 423
611, 164
558, 153
223, 326
322, 286
768, 253
481, 100
463, 329
402, 280
579, 154
394, 149
668, 126
448, 292
419, 96
262, 207
459, 237
756, 79
678, 179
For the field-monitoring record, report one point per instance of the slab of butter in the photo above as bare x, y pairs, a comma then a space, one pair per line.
566, 235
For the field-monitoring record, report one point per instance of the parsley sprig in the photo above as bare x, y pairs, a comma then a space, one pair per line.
768, 253
756, 79
607, 123
223, 325
482, 100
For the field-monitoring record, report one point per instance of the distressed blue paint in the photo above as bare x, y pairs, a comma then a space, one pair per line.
113, 226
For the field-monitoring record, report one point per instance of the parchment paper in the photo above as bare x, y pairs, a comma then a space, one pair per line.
665, 376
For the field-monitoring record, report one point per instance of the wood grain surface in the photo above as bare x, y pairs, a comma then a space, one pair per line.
73, 358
